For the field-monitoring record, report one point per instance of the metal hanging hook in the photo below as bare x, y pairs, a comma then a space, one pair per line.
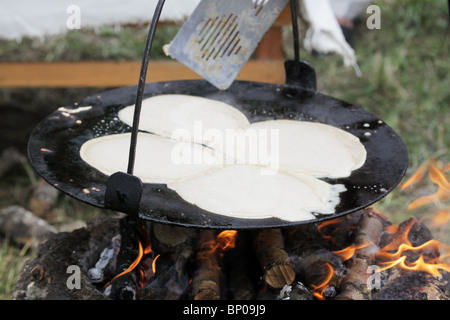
294, 16
141, 85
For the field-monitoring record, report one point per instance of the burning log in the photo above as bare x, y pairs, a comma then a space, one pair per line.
415, 286
411, 247
177, 242
171, 278
367, 235
168, 283
207, 279
338, 233
315, 264
273, 258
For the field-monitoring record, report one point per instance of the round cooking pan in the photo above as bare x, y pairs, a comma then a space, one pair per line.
55, 144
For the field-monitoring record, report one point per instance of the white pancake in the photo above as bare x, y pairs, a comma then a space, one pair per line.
187, 118
309, 148
241, 191
281, 181
158, 159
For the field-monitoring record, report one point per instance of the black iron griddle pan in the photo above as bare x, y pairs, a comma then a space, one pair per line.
55, 143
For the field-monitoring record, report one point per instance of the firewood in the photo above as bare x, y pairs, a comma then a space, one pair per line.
417, 234
339, 232
171, 235
23, 227
415, 286
173, 241
207, 278
312, 257
367, 235
167, 283
273, 258
171, 279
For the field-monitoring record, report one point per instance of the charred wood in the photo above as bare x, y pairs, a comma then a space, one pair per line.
338, 232
175, 245
417, 234
126, 286
167, 284
415, 286
312, 256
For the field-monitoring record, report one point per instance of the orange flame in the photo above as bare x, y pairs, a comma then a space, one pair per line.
441, 195
418, 265
142, 251
154, 263
131, 267
394, 254
436, 172
319, 289
441, 217
324, 225
225, 240
419, 174
349, 252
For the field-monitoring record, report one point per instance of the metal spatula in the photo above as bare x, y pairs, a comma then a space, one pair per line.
221, 35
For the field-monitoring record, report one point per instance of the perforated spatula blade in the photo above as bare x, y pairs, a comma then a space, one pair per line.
220, 36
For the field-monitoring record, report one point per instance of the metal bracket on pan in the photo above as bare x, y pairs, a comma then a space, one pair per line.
301, 76
123, 193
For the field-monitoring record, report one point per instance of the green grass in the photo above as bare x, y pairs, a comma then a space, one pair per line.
107, 43
12, 259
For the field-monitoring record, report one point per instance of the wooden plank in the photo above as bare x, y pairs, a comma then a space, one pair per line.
118, 74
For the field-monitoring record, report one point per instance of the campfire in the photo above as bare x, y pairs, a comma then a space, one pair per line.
359, 256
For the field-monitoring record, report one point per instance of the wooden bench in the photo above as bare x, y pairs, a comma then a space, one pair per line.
266, 67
